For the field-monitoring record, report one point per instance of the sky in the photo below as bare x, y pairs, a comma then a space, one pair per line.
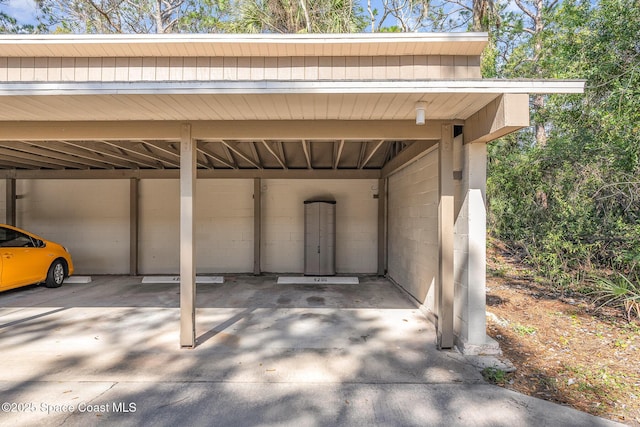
23, 10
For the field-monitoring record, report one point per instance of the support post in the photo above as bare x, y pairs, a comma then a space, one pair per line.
257, 224
445, 289
471, 241
476, 159
10, 201
188, 170
133, 226
382, 220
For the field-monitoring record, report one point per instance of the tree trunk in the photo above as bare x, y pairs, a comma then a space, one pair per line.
538, 100
307, 19
158, 17
478, 14
541, 132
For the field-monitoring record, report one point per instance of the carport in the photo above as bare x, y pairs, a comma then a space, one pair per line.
395, 126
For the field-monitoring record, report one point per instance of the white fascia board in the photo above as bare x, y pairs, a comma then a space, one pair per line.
292, 87
253, 38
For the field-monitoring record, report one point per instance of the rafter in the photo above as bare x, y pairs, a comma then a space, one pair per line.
27, 161
240, 153
387, 153
371, 154
143, 148
256, 156
52, 156
230, 158
132, 151
100, 148
164, 147
112, 159
273, 153
85, 156
168, 148
282, 155
158, 154
204, 149
338, 154
12, 164
207, 158
36, 159
306, 148
363, 150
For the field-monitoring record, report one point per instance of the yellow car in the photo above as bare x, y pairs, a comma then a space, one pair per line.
26, 259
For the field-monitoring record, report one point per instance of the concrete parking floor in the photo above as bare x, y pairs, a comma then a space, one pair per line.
267, 354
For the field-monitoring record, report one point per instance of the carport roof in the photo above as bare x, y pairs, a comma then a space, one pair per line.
261, 100
243, 45
244, 124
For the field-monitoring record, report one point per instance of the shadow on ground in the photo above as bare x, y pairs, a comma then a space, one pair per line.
267, 354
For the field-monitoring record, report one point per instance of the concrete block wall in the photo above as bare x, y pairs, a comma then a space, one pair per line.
90, 218
413, 228
159, 226
224, 226
283, 223
461, 270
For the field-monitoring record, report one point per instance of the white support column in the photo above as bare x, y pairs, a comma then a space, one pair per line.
188, 171
471, 256
445, 288
476, 267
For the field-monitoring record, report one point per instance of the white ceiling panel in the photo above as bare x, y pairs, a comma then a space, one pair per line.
398, 106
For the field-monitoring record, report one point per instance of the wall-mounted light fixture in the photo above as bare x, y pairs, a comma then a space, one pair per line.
421, 108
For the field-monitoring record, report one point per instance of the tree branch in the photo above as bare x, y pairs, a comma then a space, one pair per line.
105, 16
525, 10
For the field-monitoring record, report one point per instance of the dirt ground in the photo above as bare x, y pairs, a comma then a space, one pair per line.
565, 350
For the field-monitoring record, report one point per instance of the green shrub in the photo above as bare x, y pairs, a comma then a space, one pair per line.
619, 291
495, 376
572, 204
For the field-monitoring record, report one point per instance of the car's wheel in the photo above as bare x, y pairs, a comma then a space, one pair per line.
55, 276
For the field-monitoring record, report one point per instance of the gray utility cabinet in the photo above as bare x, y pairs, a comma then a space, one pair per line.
319, 238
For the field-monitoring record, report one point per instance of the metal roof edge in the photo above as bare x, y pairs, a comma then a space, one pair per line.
260, 38
291, 86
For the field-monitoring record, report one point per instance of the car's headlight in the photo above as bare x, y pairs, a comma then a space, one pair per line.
65, 249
